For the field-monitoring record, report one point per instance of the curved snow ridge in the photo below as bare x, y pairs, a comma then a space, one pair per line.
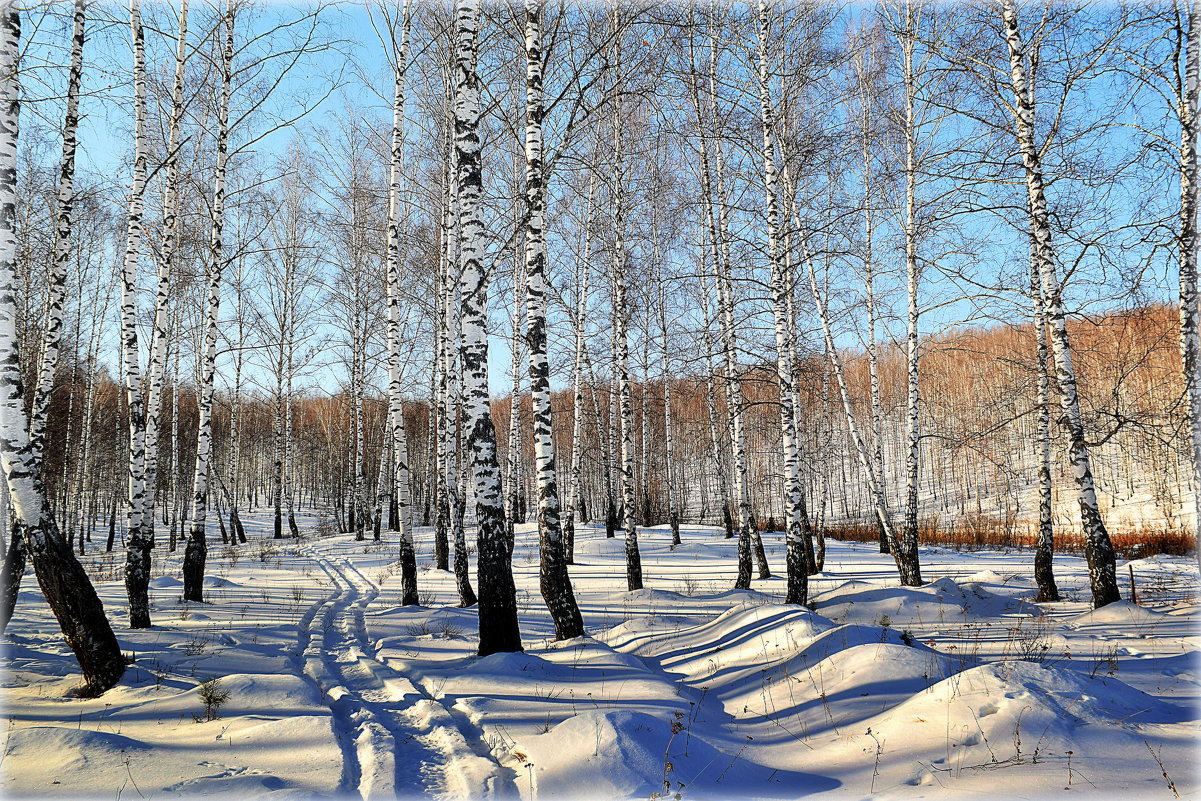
1119, 613
743, 634
1046, 699
635, 755
840, 679
941, 601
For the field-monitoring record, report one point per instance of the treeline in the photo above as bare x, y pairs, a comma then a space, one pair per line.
980, 463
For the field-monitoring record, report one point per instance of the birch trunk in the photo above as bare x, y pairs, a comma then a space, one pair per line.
673, 506
497, 595
137, 558
1190, 313
455, 487
797, 570
447, 426
63, 581
65, 202
867, 113
908, 537
715, 442
577, 378
909, 570
719, 238
553, 578
1098, 550
513, 460
621, 348
162, 298
196, 551
399, 478
1044, 549
14, 557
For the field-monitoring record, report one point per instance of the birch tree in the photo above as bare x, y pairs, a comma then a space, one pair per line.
196, 551
621, 346
138, 543
1097, 547
781, 287
64, 583
553, 579
159, 343
579, 320
497, 592
14, 557
399, 477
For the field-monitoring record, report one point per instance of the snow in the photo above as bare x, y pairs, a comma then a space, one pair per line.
963, 686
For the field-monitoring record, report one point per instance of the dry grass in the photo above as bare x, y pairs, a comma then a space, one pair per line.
974, 533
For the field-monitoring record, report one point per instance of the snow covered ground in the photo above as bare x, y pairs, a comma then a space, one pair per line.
961, 688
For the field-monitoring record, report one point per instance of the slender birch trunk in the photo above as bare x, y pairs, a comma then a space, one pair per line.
455, 483
497, 596
159, 339
1098, 549
513, 466
797, 570
715, 442
1190, 313
65, 202
399, 479
811, 564
866, 114
1044, 549
196, 551
909, 569
86, 476
610, 455
719, 242
673, 504
277, 450
137, 560
908, 537
176, 467
621, 348
553, 579
289, 453
577, 378
447, 347
63, 581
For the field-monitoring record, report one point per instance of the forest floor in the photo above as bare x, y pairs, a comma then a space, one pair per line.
961, 687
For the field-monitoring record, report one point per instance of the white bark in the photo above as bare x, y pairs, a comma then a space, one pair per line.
621, 348
1190, 313
1098, 549
798, 586
65, 201
399, 478
197, 547
63, 581
158, 345
497, 593
137, 564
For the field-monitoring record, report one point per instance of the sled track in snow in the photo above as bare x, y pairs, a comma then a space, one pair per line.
397, 739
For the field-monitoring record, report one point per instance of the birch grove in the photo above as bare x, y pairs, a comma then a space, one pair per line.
782, 277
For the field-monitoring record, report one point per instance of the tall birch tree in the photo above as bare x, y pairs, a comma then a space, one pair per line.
64, 583
1098, 549
553, 579
497, 593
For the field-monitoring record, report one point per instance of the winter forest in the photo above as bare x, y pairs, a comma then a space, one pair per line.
556, 400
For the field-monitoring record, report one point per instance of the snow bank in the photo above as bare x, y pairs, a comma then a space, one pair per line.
939, 602
628, 755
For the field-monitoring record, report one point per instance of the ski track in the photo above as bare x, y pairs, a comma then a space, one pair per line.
397, 739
